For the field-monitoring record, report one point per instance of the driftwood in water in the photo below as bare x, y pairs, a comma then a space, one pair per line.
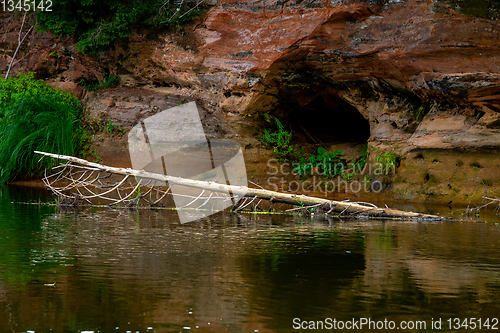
329, 207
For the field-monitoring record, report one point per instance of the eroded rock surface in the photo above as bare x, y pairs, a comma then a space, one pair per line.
400, 64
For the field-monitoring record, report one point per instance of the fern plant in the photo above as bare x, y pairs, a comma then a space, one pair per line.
387, 160
328, 164
279, 142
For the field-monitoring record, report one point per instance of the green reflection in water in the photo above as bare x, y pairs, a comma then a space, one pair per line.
22, 257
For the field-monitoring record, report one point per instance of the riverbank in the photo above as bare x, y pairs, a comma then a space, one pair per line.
420, 81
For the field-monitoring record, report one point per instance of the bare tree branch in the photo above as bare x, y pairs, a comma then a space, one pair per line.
19, 44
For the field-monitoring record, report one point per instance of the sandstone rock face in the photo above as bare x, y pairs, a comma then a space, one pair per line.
48, 56
401, 65
390, 61
125, 107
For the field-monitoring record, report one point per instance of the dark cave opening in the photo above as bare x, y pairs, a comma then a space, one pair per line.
324, 119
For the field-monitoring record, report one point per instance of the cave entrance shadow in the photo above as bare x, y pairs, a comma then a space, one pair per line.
324, 118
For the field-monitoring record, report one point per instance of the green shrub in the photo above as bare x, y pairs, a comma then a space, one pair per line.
489, 9
98, 24
16, 88
36, 122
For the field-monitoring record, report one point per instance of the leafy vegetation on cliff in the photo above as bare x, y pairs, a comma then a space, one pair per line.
488, 9
278, 141
329, 164
35, 116
98, 24
108, 81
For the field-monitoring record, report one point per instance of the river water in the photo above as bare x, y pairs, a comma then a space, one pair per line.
107, 270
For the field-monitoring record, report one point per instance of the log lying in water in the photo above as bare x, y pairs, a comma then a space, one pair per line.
329, 207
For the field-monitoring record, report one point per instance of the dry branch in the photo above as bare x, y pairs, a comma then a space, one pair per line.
336, 208
20, 42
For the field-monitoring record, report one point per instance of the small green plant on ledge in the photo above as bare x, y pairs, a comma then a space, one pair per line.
278, 141
327, 164
110, 127
108, 81
387, 160
121, 131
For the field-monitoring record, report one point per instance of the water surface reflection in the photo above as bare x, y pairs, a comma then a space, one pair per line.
120, 270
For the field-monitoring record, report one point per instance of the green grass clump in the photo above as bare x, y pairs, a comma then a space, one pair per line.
37, 122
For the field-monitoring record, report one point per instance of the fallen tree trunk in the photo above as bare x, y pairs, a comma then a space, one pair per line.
329, 207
